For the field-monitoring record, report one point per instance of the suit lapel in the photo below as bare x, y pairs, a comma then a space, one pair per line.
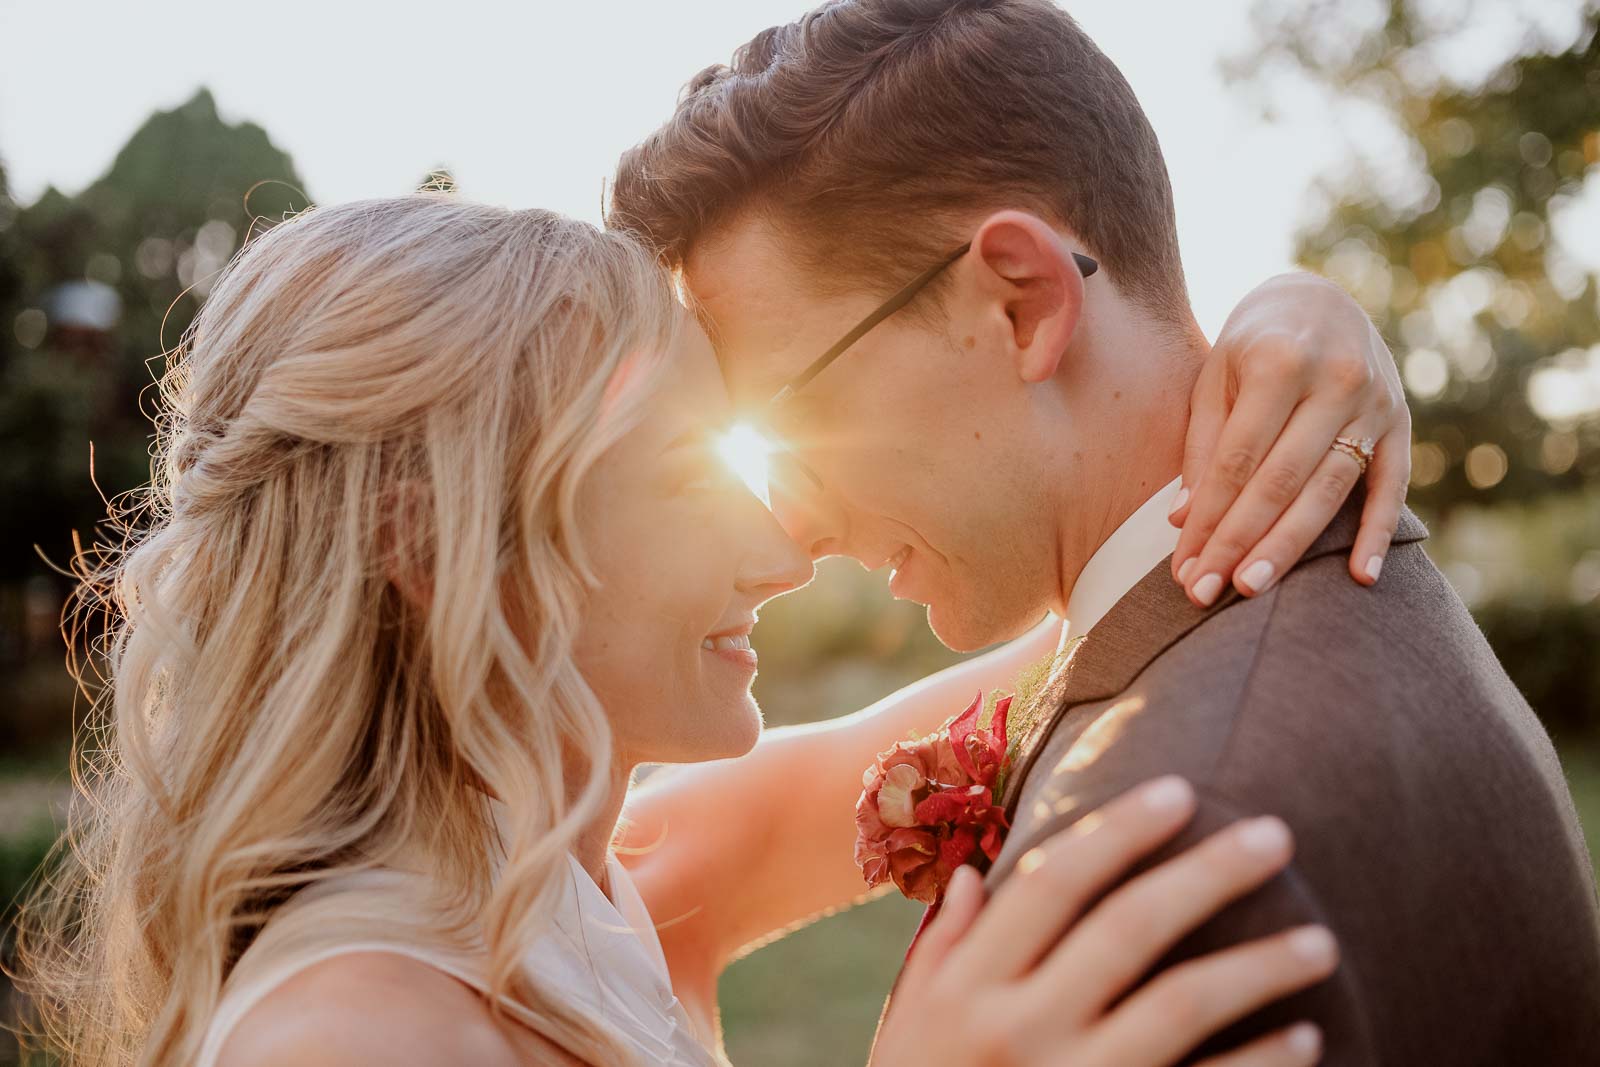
1153, 616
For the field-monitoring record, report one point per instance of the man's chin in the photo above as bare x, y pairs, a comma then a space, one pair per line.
966, 623
957, 632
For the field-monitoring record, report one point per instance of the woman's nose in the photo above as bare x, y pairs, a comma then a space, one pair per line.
775, 564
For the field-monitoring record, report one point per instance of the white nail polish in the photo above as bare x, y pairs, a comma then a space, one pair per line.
1207, 588
1258, 575
1374, 567
1178, 502
1313, 944
1188, 565
1305, 1039
1267, 835
1167, 794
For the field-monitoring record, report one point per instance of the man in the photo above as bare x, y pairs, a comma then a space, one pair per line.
1009, 437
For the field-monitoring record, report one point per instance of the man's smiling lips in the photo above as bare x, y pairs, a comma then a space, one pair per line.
897, 566
899, 578
893, 562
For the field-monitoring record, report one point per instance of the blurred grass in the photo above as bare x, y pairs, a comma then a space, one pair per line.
814, 997
28, 828
1582, 764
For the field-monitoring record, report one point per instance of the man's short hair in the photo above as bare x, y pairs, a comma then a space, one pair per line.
870, 132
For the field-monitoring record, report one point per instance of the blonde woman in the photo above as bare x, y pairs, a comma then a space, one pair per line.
437, 553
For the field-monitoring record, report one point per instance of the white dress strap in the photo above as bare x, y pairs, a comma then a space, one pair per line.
603, 958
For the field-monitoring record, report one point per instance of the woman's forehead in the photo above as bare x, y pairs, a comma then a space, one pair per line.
688, 393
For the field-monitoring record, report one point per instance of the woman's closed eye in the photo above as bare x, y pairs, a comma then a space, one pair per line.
702, 474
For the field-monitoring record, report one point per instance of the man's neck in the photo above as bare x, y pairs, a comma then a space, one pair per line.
1135, 448
1095, 519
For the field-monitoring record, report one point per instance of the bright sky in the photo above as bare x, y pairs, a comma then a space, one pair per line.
530, 103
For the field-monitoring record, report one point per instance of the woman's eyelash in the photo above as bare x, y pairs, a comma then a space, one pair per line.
705, 478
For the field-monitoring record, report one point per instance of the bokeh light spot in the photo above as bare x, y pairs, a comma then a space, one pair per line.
30, 327
1487, 466
1427, 373
1429, 462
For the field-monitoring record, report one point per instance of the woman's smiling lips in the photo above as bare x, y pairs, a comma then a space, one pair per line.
734, 647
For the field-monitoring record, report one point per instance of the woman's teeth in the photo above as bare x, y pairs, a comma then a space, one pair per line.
726, 644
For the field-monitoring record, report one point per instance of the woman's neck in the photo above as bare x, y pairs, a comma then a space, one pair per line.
594, 842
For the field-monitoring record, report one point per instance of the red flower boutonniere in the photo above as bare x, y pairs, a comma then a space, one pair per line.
927, 805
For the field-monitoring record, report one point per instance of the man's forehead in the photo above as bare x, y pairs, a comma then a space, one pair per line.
738, 268
736, 283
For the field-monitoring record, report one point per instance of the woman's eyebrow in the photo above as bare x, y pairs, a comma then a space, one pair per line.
694, 437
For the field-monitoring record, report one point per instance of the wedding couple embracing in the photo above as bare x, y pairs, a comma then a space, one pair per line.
439, 551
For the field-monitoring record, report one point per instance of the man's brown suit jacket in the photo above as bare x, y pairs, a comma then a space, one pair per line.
1434, 831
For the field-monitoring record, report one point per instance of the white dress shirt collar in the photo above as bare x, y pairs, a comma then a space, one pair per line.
1143, 540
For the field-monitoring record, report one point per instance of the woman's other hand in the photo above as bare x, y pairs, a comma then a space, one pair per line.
1039, 977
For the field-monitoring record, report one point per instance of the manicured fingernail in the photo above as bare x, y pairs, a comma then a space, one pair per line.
1266, 835
1178, 502
1188, 565
1258, 575
960, 882
1314, 944
1031, 861
1207, 588
1374, 567
1304, 1039
1168, 794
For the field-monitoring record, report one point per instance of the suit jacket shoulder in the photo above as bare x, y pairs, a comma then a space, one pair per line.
1434, 832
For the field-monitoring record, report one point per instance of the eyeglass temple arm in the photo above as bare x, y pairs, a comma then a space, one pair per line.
1086, 266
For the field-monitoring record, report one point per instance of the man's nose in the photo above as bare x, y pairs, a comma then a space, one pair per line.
810, 518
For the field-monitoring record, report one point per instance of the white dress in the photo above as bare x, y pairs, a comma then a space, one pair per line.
604, 958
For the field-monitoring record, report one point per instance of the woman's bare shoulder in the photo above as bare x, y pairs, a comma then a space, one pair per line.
379, 1008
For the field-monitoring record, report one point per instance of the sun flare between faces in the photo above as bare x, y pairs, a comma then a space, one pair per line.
746, 451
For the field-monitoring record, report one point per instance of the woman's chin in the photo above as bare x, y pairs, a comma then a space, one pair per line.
745, 729
725, 729
737, 730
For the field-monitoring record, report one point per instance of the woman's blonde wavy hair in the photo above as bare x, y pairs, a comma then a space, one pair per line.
405, 386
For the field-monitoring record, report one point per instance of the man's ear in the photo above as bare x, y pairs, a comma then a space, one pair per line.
1025, 266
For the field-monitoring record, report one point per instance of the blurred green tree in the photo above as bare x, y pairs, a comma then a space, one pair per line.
93, 289
10, 255
1450, 242
178, 200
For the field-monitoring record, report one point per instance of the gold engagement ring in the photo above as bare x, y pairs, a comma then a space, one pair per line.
1357, 448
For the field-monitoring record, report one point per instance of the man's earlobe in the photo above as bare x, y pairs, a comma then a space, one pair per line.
1030, 270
